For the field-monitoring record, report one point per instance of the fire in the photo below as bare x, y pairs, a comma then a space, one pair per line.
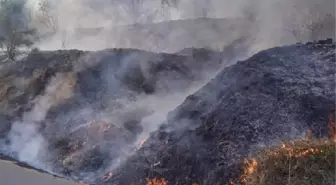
161, 181
295, 149
142, 142
107, 176
283, 145
289, 150
156, 181
251, 166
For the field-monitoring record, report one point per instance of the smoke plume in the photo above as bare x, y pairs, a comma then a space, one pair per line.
100, 24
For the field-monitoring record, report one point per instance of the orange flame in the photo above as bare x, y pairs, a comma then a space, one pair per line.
156, 181
251, 166
294, 152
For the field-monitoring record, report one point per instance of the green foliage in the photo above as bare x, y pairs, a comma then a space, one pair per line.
14, 29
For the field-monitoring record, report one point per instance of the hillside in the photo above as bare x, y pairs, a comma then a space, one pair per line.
73, 104
277, 94
120, 116
305, 161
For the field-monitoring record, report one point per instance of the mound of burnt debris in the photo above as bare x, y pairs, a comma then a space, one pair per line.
79, 101
277, 94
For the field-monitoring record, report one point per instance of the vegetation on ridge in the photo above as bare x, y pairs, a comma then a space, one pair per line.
308, 161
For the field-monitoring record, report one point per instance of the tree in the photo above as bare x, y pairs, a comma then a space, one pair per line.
14, 30
48, 15
170, 3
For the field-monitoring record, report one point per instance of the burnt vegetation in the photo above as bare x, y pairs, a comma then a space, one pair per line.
261, 100
265, 120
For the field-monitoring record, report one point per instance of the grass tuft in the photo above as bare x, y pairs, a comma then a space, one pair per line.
305, 161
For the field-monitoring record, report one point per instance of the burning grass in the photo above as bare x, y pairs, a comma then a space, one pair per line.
156, 181
306, 161
159, 181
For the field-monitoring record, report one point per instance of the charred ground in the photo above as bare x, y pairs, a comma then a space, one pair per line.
277, 94
77, 89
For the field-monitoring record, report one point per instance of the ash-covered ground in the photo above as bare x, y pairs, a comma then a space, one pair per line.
110, 116
80, 114
277, 94
165, 109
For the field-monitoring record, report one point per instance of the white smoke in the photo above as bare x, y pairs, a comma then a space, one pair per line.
28, 144
25, 140
274, 20
278, 22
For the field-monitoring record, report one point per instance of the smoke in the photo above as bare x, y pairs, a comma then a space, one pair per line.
99, 24
24, 139
103, 24
27, 143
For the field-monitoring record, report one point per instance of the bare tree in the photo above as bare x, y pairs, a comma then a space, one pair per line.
14, 30
171, 3
47, 15
64, 39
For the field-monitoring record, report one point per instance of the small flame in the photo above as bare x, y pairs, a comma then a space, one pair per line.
252, 166
140, 145
295, 153
107, 176
283, 145
143, 142
156, 181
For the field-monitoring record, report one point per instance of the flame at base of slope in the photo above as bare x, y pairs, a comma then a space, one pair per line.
291, 151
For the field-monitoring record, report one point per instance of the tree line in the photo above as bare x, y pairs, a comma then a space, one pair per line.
17, 32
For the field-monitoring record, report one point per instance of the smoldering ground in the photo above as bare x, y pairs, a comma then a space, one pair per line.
116, 87
97, 112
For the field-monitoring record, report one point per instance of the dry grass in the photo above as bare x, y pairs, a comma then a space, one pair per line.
305, 161
302, 162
